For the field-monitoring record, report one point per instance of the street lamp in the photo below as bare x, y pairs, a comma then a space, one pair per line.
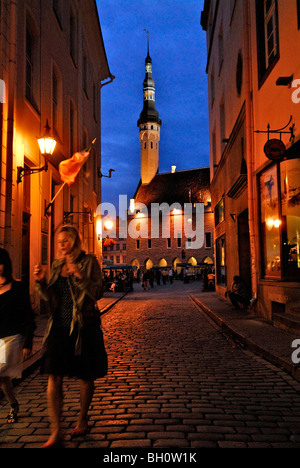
47, 145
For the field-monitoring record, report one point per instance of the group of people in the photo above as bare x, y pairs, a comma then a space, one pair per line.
119, 282
149, 276
73, 344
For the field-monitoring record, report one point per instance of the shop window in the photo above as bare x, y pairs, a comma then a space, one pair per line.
280, 220
290, 212
270, 222
221, 261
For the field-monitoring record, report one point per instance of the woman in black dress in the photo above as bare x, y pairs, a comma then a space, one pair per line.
16, 331
73, 344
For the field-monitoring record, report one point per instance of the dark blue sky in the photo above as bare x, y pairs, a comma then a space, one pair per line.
178, 52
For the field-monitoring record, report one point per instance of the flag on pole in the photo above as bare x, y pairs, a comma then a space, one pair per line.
69, 168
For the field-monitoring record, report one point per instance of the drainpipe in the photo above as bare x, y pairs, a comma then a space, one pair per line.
10, 125
249, 144
1, 142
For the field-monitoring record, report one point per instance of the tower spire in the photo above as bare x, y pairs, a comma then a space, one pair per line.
146, 30
149, 125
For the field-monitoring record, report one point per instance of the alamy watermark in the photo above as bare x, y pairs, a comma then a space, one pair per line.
296, 94
155, 222
296, 354
2, 91
2, 352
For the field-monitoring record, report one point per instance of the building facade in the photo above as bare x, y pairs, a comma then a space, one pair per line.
254, 129
53, 65
180, 231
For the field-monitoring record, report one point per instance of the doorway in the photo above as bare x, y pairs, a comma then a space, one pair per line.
25, 274
244, 248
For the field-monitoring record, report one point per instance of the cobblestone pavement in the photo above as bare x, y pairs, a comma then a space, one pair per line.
175, 382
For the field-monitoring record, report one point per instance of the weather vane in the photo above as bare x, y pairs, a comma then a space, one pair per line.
146, 30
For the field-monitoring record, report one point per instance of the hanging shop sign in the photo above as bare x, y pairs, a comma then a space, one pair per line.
274, 149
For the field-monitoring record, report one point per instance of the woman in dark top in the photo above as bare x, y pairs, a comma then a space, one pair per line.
16, 331
73, 343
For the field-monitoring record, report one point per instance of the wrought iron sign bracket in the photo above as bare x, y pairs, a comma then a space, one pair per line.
69, 213
108, 176
280, 130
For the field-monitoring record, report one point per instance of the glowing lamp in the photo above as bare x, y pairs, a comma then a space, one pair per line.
47, 145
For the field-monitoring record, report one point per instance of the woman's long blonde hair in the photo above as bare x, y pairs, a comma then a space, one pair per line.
73, 234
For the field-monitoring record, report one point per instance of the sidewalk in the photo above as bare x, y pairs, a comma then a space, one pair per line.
106, 302
256, 334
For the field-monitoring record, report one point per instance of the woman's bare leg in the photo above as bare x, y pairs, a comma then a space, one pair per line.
55, 400
86, 395
8, 390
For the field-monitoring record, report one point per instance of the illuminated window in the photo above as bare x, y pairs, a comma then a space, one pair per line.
280, 220
221, 261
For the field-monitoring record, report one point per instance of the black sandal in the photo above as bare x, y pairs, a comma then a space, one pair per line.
13, 415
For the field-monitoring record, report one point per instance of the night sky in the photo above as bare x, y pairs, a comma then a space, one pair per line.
178, 52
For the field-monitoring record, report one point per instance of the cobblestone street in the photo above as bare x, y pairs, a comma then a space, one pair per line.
174, 381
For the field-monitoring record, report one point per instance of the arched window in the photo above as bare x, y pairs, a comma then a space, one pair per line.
192, 261
135, 262
208, 260
148, 264
175, 263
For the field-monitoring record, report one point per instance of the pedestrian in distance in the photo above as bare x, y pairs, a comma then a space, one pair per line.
239, 293
158, 276
17, 327
164, 275
73, 344
145, 280
151, 277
